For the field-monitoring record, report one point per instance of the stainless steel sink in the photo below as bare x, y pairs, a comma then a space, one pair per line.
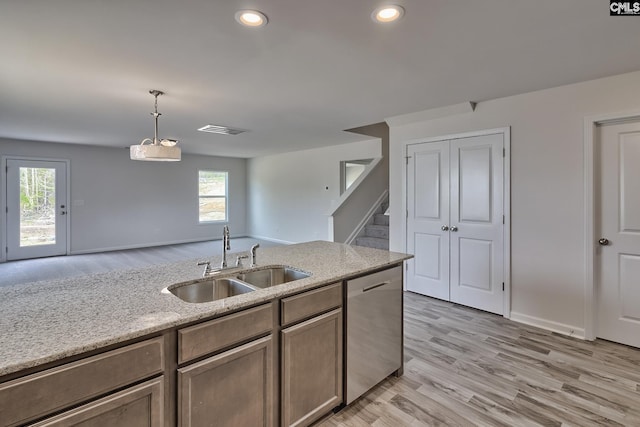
207, 290
272, 276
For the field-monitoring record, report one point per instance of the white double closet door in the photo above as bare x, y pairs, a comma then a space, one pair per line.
455, 229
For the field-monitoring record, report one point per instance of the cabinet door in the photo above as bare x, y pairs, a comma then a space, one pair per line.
234, 388
311, 369
139, 406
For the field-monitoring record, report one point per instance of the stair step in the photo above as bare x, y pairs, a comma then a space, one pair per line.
380, 231
373, 242
380, 219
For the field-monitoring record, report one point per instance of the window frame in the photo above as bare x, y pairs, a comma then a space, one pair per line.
225, 197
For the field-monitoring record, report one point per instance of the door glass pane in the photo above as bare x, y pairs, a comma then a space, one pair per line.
37, 206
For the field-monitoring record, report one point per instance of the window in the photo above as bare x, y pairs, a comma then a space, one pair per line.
350, 170
212, 196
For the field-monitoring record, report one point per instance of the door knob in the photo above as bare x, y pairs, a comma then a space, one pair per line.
603, 242
444, 228
454, 228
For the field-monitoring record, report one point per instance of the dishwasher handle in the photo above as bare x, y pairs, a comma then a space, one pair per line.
369, 288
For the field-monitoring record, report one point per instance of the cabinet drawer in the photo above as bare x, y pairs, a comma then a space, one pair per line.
141, 405
42, 393
208, 337
307, 304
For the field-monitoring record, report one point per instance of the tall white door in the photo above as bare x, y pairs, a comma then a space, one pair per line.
455, 212
428, 219
36, 208
618, 231
476, 222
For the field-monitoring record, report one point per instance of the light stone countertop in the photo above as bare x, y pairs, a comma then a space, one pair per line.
42, 322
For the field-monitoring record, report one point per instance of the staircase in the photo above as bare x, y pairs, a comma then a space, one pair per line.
375, 233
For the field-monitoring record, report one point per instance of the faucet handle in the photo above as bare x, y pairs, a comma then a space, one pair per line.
253, 254
239, 259
207, 268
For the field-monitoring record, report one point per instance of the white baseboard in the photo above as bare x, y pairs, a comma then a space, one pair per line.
561, 328
146, 245
271, 239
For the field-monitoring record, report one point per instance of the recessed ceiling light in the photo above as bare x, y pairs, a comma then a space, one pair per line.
387, 13
251, 18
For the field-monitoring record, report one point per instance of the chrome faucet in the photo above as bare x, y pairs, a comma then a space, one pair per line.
253, 254
226, 245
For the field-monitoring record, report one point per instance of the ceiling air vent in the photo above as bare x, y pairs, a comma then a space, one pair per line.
224, 130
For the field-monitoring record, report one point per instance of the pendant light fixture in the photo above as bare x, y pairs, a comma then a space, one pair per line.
156, 150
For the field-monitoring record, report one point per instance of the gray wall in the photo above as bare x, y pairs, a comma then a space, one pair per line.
292, 194
547, 188
119, 203
349, 215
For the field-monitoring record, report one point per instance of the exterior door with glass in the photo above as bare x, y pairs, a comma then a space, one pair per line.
36, 208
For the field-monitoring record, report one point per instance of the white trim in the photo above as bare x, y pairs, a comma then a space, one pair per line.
3, 210
506, 132
561, 328
368, 215
506, 230
403, 204
590, 124
3, 200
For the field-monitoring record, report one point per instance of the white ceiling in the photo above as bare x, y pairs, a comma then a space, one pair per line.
79, 71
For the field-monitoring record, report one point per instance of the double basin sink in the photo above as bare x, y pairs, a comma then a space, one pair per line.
211, 289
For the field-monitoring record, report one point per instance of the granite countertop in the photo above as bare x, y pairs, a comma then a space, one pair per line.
42, 322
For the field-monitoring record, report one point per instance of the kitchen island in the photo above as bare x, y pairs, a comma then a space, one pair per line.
48, 326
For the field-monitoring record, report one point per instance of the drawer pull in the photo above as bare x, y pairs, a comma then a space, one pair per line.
369, 288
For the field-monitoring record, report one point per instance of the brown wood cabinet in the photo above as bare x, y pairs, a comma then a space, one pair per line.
234, 388
215, 335
311, 369
308, 304
43, 393
279, 362
137, 406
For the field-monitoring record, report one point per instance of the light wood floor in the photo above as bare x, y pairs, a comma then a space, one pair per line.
466, 367
32, 270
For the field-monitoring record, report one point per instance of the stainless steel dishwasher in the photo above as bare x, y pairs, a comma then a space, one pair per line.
374, 330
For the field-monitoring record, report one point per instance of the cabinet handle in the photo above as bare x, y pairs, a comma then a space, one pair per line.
454, 228
368, 288
444, 228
